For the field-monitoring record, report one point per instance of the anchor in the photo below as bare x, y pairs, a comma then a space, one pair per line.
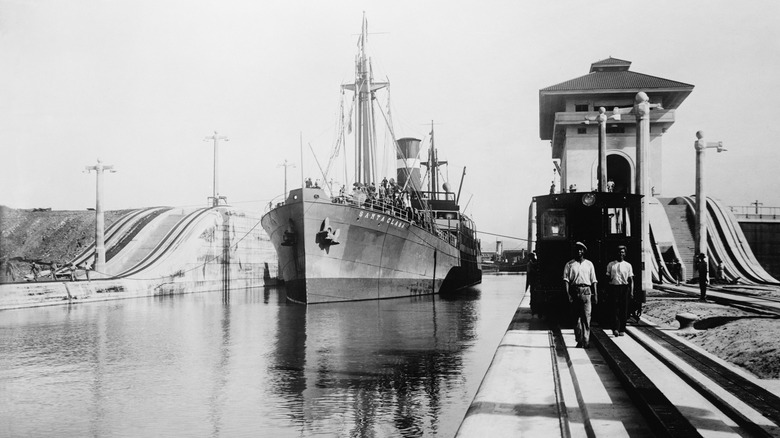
289, 237
327, 236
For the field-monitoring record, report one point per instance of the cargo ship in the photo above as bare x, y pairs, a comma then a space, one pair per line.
377, 239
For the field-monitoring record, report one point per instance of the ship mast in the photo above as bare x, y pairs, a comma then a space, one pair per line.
433, 168
365, 126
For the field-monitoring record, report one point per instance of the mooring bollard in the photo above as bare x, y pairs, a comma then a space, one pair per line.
686, 320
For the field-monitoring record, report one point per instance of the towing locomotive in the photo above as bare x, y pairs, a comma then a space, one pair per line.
602, 221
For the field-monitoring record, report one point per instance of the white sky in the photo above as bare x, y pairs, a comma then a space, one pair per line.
141, 83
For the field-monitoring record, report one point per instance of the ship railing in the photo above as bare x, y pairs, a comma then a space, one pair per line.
416, 217
278, 201
378, 204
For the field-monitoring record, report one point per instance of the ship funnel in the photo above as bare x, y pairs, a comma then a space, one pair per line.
408, 163
499, 247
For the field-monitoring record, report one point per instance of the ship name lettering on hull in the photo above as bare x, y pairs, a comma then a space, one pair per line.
382, 218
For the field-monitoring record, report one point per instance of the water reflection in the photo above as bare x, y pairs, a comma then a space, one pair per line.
372, 365
247, 363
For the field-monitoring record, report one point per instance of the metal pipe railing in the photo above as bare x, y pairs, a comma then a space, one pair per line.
755, 212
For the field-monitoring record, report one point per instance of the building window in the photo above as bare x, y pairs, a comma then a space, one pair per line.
616, 129
581, 108
582, 130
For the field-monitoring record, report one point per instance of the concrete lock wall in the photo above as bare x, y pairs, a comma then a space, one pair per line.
223, 249
764, 240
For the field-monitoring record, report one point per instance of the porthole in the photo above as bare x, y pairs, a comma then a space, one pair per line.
588, 199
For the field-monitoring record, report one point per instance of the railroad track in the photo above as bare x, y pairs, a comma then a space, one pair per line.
754, 410
755, 303
647, 384
751, 409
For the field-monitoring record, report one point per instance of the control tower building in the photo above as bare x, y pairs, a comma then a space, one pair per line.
564, 107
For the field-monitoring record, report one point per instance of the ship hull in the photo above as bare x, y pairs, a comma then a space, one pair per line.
371, 254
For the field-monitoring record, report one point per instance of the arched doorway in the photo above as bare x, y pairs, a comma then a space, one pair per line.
619, 172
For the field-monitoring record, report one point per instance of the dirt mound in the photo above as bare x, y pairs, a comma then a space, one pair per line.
44, 237
749, 343
739, 337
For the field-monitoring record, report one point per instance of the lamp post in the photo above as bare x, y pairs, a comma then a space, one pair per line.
642, 107
601, 119
756, 203
216, 138
641, 111
701, 197
285, 165
100, 248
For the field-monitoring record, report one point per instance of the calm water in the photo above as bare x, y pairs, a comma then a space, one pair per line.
250, 365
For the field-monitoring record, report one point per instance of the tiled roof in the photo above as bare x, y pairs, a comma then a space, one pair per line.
610, 62
600, 80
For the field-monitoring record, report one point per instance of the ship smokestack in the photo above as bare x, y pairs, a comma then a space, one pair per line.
408, 163
499, 247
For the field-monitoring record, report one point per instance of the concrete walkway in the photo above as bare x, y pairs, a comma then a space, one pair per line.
519, 395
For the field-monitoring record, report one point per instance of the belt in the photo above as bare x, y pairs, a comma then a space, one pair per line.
582, 285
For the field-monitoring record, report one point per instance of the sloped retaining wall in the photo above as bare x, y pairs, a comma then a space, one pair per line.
225, 249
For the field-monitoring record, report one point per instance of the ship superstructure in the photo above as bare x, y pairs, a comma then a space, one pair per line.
375, 239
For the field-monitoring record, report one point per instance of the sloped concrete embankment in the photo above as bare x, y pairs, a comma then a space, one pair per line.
223, 248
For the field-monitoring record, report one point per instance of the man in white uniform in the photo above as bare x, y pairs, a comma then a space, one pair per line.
621, 283
579, 278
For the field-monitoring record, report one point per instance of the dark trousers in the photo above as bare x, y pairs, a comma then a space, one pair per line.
703, 288
582, 310
619, 295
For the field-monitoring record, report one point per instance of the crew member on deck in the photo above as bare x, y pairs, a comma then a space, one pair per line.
579, 278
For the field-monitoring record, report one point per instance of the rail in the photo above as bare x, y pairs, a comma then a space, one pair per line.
408, 214
173, 235
381, 204
737, 386
727, 244
663, 417
111, 235
759, 304
754, 212
739, 245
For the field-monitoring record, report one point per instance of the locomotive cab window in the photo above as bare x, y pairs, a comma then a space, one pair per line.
619, 221
554, 224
